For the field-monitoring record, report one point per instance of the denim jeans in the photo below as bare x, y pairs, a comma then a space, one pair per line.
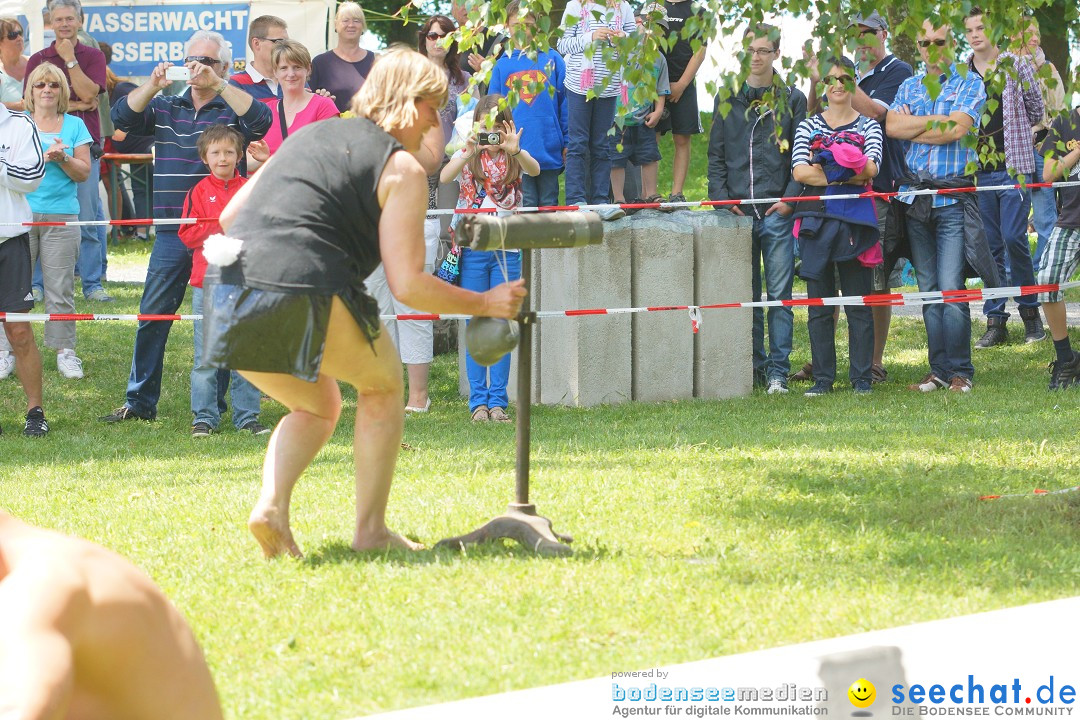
481, 270
855, 280
1005, 217
90, 247
937, 252
1043, 212
167, 277
773, 244
542, 190
589, 124
204, 383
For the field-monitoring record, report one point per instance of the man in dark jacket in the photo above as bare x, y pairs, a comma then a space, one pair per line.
750, 157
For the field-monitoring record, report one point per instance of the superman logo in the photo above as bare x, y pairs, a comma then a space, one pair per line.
529, 82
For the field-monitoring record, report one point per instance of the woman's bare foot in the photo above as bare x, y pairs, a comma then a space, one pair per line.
385, 540
273, 535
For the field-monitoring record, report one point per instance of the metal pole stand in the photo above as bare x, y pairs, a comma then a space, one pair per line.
525, 232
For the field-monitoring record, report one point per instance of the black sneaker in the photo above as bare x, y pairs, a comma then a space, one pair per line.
122, 413
256, 428
996, 334
861, 387
201, 430
36, 424
674, 198
818, 389
1033, 325
1062, 375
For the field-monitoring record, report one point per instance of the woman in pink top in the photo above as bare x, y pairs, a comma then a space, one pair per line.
292, 66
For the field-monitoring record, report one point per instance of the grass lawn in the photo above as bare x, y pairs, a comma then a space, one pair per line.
702, 528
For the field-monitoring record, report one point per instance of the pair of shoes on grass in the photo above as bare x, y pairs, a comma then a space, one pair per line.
484, 414
202, 429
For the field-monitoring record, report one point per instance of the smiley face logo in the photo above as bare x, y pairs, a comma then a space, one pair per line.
862, 693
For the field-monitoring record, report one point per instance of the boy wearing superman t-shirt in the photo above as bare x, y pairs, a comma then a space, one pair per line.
534, 90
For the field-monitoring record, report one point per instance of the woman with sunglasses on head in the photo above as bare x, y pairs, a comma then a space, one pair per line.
342, 70
12, 63
838, 152
65, 142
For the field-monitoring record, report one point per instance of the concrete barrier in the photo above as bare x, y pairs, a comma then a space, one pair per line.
723, 364
586, 361
649, 259
662, 256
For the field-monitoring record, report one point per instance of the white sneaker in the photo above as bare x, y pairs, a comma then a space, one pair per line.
777, 387
7, 363
69, 365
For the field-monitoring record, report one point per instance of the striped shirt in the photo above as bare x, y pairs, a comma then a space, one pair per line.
815, 126
959, 93
579, 23
176, 126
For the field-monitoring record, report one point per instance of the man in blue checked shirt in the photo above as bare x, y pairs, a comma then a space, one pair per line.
935, 129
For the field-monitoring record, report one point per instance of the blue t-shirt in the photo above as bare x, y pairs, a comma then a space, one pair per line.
56, 195
882, 84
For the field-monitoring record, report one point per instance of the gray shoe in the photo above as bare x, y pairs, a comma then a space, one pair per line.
100, 295
611, 213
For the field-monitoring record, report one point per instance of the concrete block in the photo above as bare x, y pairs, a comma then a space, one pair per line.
723, 361
586, 360
662, 262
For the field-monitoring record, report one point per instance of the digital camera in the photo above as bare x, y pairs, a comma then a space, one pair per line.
489, 138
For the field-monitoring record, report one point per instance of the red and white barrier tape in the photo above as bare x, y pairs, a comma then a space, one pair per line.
696, 319
606, 206
1033, 493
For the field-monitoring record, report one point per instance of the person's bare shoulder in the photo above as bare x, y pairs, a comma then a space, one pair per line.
402, 170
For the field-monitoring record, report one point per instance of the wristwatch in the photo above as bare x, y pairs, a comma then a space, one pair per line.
70, 64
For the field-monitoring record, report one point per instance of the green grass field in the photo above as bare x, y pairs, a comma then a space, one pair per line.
702, 528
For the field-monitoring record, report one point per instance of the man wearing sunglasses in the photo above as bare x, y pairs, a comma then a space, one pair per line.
257, 79
84, 67
935, 127
177, 168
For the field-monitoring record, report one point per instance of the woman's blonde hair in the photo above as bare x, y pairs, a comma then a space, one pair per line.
351, 9
489, 106
293, 51
47, 72
401, 77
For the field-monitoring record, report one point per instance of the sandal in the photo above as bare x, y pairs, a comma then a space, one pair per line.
498, 414
480, 414
806, 374
878, 373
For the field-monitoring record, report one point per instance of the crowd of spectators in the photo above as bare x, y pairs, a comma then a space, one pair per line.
572, 111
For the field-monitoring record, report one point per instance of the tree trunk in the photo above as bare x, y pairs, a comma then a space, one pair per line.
1055, 20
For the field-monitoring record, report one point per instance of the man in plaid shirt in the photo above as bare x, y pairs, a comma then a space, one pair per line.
1017, 106
934, 128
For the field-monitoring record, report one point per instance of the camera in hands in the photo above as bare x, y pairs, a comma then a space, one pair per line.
489, 138
177, 72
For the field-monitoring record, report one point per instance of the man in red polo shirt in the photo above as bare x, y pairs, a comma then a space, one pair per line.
84, 67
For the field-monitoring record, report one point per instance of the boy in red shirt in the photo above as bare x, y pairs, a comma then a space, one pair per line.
221, 148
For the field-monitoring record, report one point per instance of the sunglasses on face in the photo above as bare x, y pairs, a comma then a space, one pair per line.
838, 79
867, 31
14, 34
433, 36
928, 43
202, 60
51, 85
276, 41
